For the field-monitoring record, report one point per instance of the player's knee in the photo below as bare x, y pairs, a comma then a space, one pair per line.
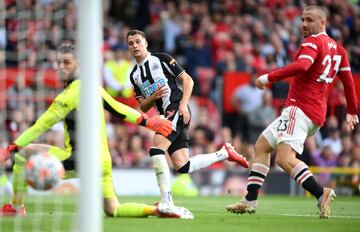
279, 162
185, 168
110, 206
282, 161
109, 212
262, 147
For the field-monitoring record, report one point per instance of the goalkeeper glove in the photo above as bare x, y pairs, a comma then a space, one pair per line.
8, 152
156, 123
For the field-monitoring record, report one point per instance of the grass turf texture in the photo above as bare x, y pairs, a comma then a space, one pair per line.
275, 213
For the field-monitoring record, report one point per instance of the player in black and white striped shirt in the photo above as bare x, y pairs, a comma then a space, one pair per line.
161, 82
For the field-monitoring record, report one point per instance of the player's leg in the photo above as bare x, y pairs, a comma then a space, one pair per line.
183, 164
256, 178
292, 142
179, 153
286, 159
112, 207
161, 167
265, 144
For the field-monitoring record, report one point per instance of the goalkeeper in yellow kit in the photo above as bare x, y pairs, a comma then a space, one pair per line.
64, 108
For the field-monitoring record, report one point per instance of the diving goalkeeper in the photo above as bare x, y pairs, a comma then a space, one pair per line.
64, 108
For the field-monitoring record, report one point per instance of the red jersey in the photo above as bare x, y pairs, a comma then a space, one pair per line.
318, 61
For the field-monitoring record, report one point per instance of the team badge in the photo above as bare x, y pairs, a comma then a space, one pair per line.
155, 66
172, 62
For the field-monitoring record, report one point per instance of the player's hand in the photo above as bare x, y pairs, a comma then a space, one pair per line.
157, 124
259, 85
352, 120
261, 82
160, 92
8, 152
184, 112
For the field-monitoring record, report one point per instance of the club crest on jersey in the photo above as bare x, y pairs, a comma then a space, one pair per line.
155, 66
147, 89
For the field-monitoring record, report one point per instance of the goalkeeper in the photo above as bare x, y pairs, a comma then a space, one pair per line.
64, 108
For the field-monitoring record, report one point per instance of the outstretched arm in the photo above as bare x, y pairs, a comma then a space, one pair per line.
307, 54
55, 113
131, 115
298, 67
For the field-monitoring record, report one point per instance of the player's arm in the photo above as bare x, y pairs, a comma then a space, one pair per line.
131, 115
47, 120
188, 85
61, 106
347, 80
56, 112
307, 55
145, 104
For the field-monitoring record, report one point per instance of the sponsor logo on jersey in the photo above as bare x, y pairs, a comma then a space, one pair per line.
332, 45
60, 104
309, 45
147, 89
155, 66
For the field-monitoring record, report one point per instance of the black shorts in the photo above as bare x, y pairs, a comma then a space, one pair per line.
179, 138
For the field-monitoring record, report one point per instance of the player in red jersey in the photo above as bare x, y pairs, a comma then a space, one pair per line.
318, 61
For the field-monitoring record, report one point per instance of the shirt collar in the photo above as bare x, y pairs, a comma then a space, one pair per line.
146, 59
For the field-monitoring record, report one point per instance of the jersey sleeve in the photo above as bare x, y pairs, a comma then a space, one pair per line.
344, 64
307, 54
118, 109
170, 64
65, 102
309, 49
348, 82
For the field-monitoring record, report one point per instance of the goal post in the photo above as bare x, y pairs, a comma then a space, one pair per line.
90, 57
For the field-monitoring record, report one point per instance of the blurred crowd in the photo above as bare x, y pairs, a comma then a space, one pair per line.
209, 39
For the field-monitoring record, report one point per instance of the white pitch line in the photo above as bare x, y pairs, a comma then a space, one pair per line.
304, 215
311, 215
34, 214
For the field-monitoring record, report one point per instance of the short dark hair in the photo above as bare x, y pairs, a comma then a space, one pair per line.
322, 10
67, 48
135, 32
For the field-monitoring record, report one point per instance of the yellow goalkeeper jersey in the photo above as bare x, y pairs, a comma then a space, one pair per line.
64, 108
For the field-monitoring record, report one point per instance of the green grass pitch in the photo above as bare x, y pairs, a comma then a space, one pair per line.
275, 213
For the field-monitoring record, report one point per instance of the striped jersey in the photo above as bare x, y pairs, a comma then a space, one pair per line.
157, 70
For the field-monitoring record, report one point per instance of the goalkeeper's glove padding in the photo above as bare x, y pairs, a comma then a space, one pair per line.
156, 123
8, 152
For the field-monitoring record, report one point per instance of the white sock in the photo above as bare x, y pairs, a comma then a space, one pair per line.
205, 160
162, 173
